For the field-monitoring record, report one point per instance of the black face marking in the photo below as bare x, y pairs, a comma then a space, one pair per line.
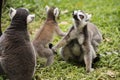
81, 16
75, 17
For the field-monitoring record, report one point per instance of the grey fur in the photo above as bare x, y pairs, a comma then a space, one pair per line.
80, 43
45, 35
17, 55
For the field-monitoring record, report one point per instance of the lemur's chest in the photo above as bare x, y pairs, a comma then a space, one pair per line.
78, 34
80, 38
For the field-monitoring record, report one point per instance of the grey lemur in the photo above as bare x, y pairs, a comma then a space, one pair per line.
80, 43
17, 57
45, 35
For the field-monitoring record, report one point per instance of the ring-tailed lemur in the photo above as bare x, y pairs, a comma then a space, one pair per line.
81, 41
45, 35
17, 57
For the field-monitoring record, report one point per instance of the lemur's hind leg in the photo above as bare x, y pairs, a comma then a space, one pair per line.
88, 56
45, 52
49, 56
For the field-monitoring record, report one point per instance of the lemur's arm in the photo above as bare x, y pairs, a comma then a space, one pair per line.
65, 39
59, 31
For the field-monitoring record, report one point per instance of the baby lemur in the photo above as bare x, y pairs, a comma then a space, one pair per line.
81, 42
45, 35
17, 57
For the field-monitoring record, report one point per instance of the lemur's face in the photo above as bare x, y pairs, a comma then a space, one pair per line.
53, 10
21, 14
81, 16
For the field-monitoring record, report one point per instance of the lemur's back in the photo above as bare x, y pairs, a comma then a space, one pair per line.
46, 33
17, 55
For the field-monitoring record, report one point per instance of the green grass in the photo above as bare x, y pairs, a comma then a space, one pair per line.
105, 14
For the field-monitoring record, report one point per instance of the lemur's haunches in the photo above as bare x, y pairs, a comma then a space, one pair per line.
80, 43
17, 57
45, 35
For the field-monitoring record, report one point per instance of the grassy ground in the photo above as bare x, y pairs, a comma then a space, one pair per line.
106, 15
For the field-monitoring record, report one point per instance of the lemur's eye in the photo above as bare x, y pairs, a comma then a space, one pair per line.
81, 16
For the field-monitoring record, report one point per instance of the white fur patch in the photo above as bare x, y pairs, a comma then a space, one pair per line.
56, 12
83, 21
80, 13
12, 12
75, 12
30, 18
47, 8
81, 38
88, 16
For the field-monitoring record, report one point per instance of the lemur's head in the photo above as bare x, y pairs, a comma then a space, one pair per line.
21, 14
81, 16
52, 12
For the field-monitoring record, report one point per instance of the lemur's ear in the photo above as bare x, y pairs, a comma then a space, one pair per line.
88, 16
30, 18
47, 8
75, 12
12, 12
56, 12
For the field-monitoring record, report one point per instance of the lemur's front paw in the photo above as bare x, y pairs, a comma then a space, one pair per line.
54, 50
90, 70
